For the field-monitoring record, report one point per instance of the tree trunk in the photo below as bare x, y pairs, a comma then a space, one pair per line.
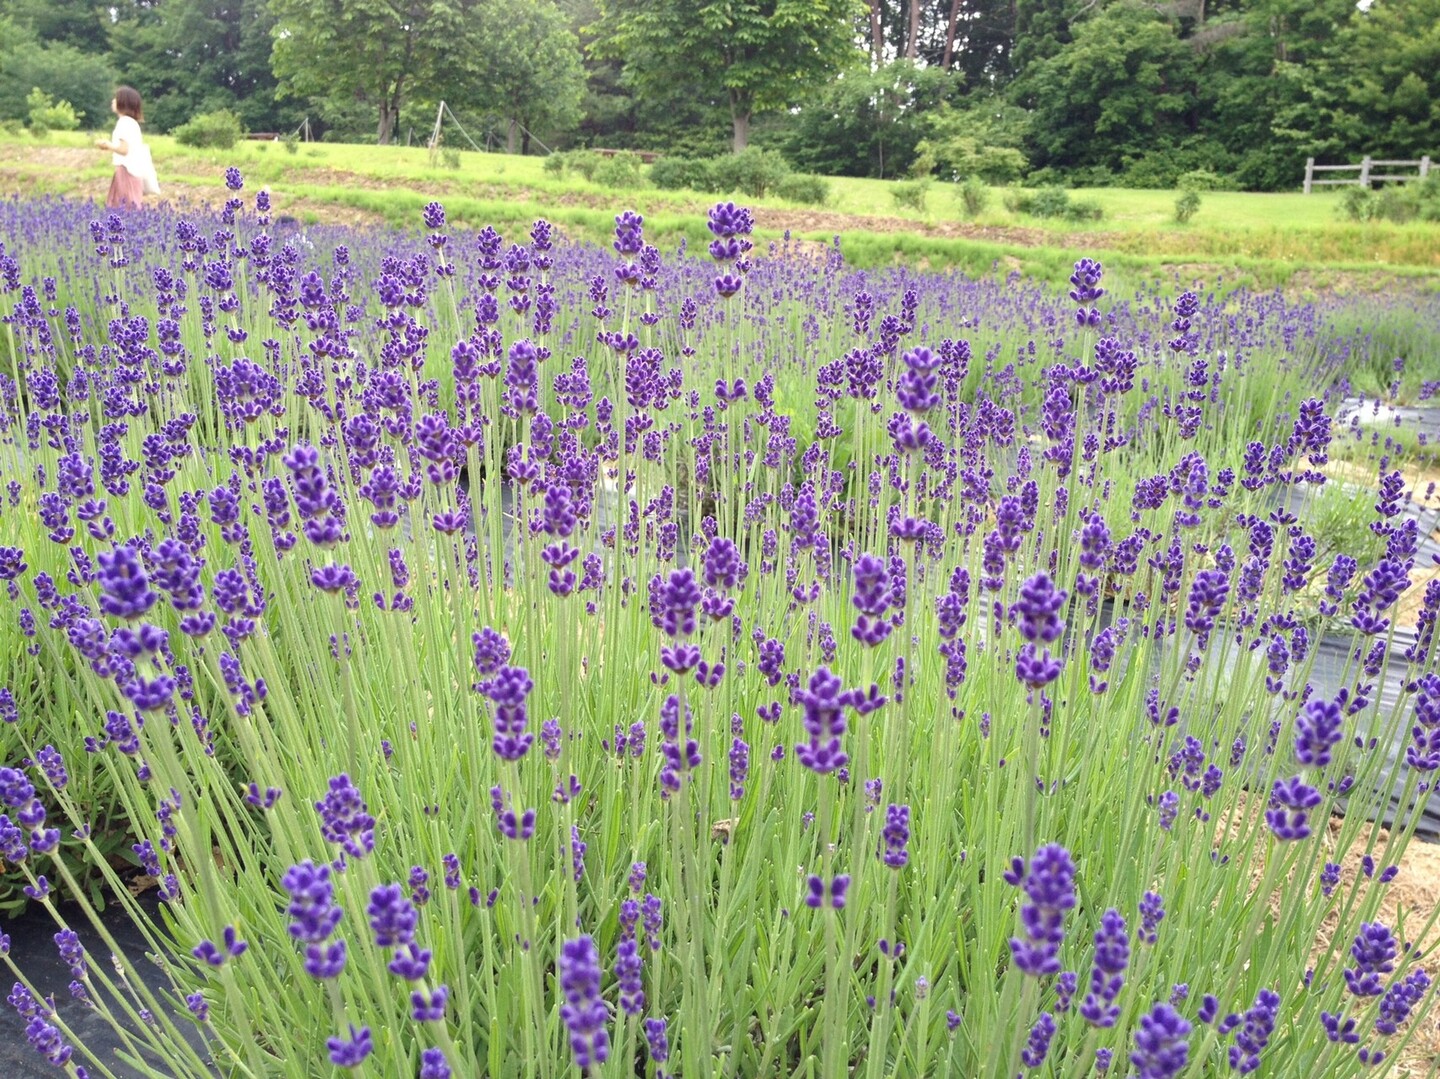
950, 35
912, 39
740, 124
877, 34
390, 102
388, 115
512, 135
524, 140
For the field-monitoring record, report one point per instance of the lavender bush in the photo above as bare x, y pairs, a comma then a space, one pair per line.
514, 658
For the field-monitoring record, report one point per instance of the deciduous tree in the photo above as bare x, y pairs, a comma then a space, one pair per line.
761, 54
376, 51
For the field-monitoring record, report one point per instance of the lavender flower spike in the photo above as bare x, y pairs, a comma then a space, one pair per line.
584, 1013
1049, 884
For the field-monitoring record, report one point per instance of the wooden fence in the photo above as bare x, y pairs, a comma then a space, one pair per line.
1366, 174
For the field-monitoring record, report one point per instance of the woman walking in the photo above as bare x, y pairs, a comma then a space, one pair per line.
128, 153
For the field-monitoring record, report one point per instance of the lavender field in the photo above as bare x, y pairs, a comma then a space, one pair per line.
512, 657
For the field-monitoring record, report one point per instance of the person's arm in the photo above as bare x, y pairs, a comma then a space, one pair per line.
115, 144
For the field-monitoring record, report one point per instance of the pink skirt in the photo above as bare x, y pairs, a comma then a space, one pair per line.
125, 191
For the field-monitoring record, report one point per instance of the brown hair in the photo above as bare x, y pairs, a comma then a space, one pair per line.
127, 103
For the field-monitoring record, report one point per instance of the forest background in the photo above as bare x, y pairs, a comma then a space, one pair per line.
1074, 92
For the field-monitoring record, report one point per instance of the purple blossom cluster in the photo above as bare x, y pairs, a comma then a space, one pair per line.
532, 442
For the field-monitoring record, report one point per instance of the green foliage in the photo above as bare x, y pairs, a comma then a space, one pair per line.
583, 163
1382, 80
79, 25
291, 142
376, 54
753, 171
450, 157
1081, 210
802, 187
678, 173
530, 74
1046, 202
1187, 206
1203, 180
982, 138
1053, 202
1162, 167
61, 70
1415, 201
195, 56
46, 114
621, 172
974, 196
217, 130
866, 123
1358, 204
755, 55
1124, 87
911, 194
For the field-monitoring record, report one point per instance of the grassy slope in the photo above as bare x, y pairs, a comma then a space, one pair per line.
1267, 238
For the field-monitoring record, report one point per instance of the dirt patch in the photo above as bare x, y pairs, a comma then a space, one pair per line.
832, 222
1415, 892
67, 158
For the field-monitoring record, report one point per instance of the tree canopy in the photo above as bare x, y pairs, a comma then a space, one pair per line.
1134, 92
761, 54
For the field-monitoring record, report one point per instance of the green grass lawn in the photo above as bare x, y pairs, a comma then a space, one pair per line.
1264, 238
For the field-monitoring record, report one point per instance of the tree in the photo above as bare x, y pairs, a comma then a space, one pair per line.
1384, 89
58, 69
867, 123
981, 137
77, 23
760, 54
188, 57
376, 52
532, 75
1124, 86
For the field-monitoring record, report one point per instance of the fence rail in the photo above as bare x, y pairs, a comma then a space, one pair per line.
1366, 176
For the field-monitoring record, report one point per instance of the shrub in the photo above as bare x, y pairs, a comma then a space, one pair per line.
1186, 206
554, 164
46, 114
12, 126
1358, 204
450, 157
583, 162
1205, 180
217, 130
678, 173
974, 196
911, 194
1399, 204
753, 171
621, 171
802, 187
291, 143
1049, 202
1053, 202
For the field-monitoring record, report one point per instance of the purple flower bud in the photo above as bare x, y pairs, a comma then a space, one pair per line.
584, 1012
350, 1052
1049, 884
1161, 1050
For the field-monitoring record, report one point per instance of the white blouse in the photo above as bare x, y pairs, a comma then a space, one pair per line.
127, 131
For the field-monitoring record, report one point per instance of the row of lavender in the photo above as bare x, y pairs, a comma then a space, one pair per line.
519, 657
